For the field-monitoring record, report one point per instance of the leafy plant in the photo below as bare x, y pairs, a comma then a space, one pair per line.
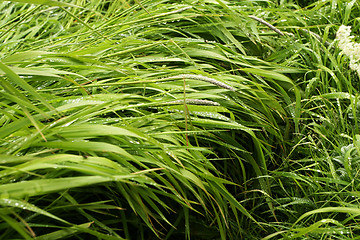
159, 119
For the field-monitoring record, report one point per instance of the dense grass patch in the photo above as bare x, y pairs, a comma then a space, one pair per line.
178, 120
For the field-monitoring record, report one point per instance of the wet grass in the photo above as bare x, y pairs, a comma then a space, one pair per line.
192, 120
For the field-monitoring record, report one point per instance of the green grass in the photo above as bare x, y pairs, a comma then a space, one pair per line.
177, 120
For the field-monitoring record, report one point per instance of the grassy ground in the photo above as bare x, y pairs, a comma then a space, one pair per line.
193, 119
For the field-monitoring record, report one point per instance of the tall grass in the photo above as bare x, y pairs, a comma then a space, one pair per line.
192, 120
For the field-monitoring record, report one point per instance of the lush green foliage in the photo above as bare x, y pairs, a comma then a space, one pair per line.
200, 119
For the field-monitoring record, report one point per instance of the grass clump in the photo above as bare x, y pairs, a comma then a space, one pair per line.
159, 119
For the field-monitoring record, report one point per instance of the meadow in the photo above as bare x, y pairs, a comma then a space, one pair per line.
192, 119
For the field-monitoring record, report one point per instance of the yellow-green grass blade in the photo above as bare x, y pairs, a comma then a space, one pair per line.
30, 188
90, 165
15, 225
87, 146
24, 85
45, 2
28, 206
93, 130
65, 232
82, 228
316, 228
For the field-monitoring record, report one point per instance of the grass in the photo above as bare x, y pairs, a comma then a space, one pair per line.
193, 120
